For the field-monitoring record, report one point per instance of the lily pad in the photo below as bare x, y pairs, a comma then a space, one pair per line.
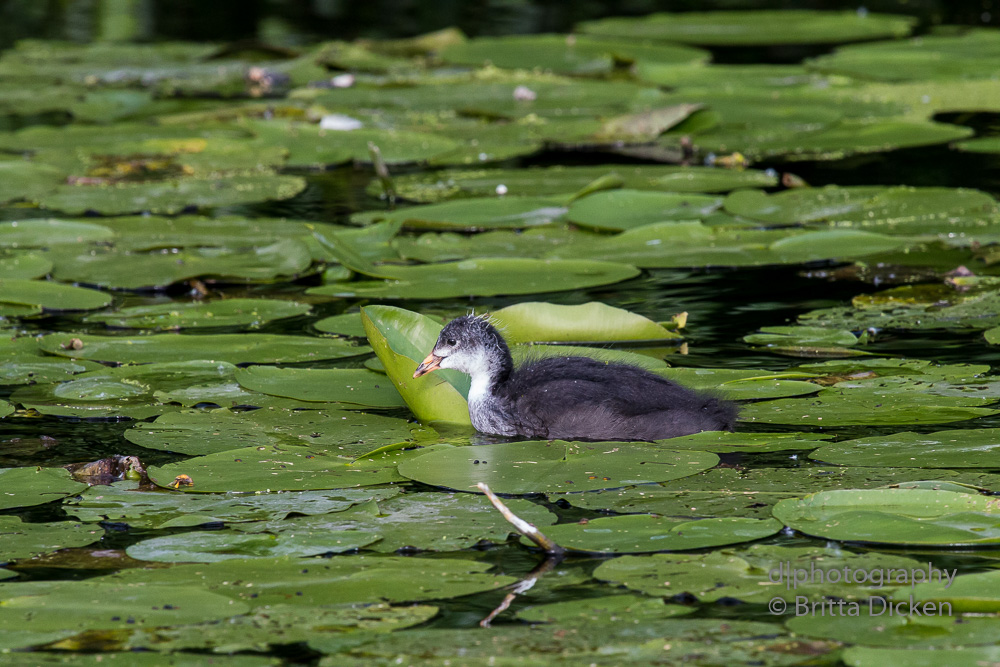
222, 545
548, 467
567, 54
234, 348
936, 628
479, 213
736, 384
23, 266
171, 196
643, 533
25, 540
5, 409
252, 313
133, 270
122, 502
447, 522
347, 324
627, 209
542, 181
279, 468
27, 180
958, 656
199, 432
359, 579
974, 448
43, 233
24, 487
401, 339
758, 573
757, 27
607, 608
51, 295
91, 605
532, 321
895, 516
358, 386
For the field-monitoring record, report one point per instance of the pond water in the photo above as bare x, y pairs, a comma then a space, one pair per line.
186, 247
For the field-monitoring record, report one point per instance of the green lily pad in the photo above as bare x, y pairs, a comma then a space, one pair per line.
895, 516
20, 179
357, 386
5, 409
958, 656
874, 208
24, 487
757, 27
91, 605
43, 233
171, 196
126, 391
278, 624
758, 573
25, 540
310, 146
448, 246
607, 608
532, 321
736, 384
987, 145
945, 449
221, 545
150, 232
347, 324
130, 270
568, 54
724, 492
478, 213
548, 467
280, 468
234, 348
200, 432
252, 313
447, 522
542, 181
874, 627
642, 533
968, 55
357, 579
976, 592
401, 339
792, 336
51, 295
627, 209
23, 266
122, 502
528, 352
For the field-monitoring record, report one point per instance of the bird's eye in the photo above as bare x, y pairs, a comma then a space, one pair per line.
451, 342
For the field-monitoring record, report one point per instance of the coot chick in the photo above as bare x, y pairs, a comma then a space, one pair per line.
573, 398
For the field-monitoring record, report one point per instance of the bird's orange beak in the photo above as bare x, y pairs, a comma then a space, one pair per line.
431, 363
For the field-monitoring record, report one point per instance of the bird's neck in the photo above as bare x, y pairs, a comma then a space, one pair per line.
493, 369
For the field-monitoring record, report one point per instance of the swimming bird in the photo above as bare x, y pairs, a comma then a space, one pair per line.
573, 398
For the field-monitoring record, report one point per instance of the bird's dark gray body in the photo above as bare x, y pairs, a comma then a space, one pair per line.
570, 397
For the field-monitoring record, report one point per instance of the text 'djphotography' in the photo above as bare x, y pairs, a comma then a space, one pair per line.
881, 592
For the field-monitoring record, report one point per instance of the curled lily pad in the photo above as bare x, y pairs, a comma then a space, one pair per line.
230, 312
757, 27
51, 295
639, 533
357, 386
172, 196
401, 339
628, 209
895, 516
546, 467
547, 322
360, 579
233, 348
542, 181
